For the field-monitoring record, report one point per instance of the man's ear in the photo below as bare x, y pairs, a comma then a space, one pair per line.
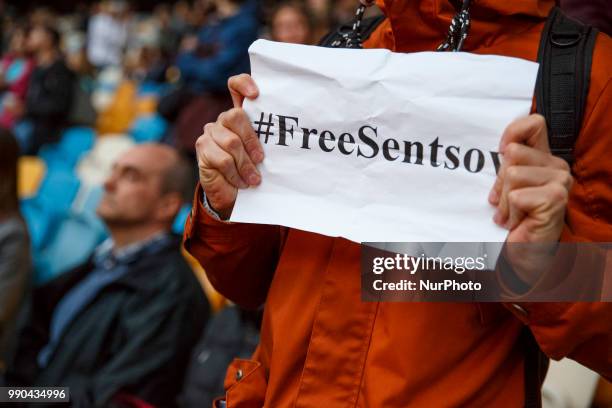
168, 206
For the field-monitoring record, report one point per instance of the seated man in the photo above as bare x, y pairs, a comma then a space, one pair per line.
123, 324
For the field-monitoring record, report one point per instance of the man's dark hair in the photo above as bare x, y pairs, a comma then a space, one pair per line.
178, 178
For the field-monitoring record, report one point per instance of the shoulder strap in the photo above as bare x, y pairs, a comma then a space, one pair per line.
534, 369
337, 37
565, 55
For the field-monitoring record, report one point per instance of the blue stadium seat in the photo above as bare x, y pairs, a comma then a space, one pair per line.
148, 129
54, 199
89, 197
66, 153
75, 142
179, 222
40, 221
57, 190
53, 157
152, 88
86, 203
74, 241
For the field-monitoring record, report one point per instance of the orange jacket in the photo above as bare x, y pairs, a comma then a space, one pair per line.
322, 347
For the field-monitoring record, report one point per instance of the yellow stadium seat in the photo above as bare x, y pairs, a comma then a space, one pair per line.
216, 300
31, 171
119, 115
146, 105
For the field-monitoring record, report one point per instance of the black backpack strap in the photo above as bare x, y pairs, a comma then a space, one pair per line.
534, 368
565, 56
337, 37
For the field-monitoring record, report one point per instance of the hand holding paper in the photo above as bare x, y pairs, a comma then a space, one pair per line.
376, 146
228, 151
532, 187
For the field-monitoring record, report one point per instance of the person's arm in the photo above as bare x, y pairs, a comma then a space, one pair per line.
239, 259
583, 331
211, 72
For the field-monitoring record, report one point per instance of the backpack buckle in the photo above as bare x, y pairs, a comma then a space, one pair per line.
565, 39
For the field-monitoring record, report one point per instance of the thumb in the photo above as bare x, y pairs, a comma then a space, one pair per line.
241, 86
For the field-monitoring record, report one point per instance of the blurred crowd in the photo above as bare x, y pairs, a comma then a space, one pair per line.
194, 45
99, 112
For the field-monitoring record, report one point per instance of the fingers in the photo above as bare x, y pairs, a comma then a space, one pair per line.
214, 157
530, 130
225, 151
540, 202
532, 186
522, 155
227, 142
220, 193
238, 122
519, 177
228, 152
241, 86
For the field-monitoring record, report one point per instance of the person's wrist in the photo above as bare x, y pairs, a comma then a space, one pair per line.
222, 215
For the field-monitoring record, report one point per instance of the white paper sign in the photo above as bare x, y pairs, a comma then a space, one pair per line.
372, 145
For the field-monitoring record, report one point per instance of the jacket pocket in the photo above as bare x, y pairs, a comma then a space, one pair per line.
245, 384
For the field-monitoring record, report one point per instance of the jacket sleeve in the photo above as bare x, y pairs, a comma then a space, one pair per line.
211, 72
583, 331
239, 259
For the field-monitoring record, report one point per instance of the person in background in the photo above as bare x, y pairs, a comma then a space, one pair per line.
82, 112
121, 327
291, 22
180, 16
220, 49
42, 15
49, 95
14, 245
169, 36
321, 11
15, 70
232, 333
107, 34
205, 64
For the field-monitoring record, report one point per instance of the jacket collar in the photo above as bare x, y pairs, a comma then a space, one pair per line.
418, 25
141, 277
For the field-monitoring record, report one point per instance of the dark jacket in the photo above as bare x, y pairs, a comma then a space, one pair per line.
135, 337
48, 101
222, 51
232, 333
15, 276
